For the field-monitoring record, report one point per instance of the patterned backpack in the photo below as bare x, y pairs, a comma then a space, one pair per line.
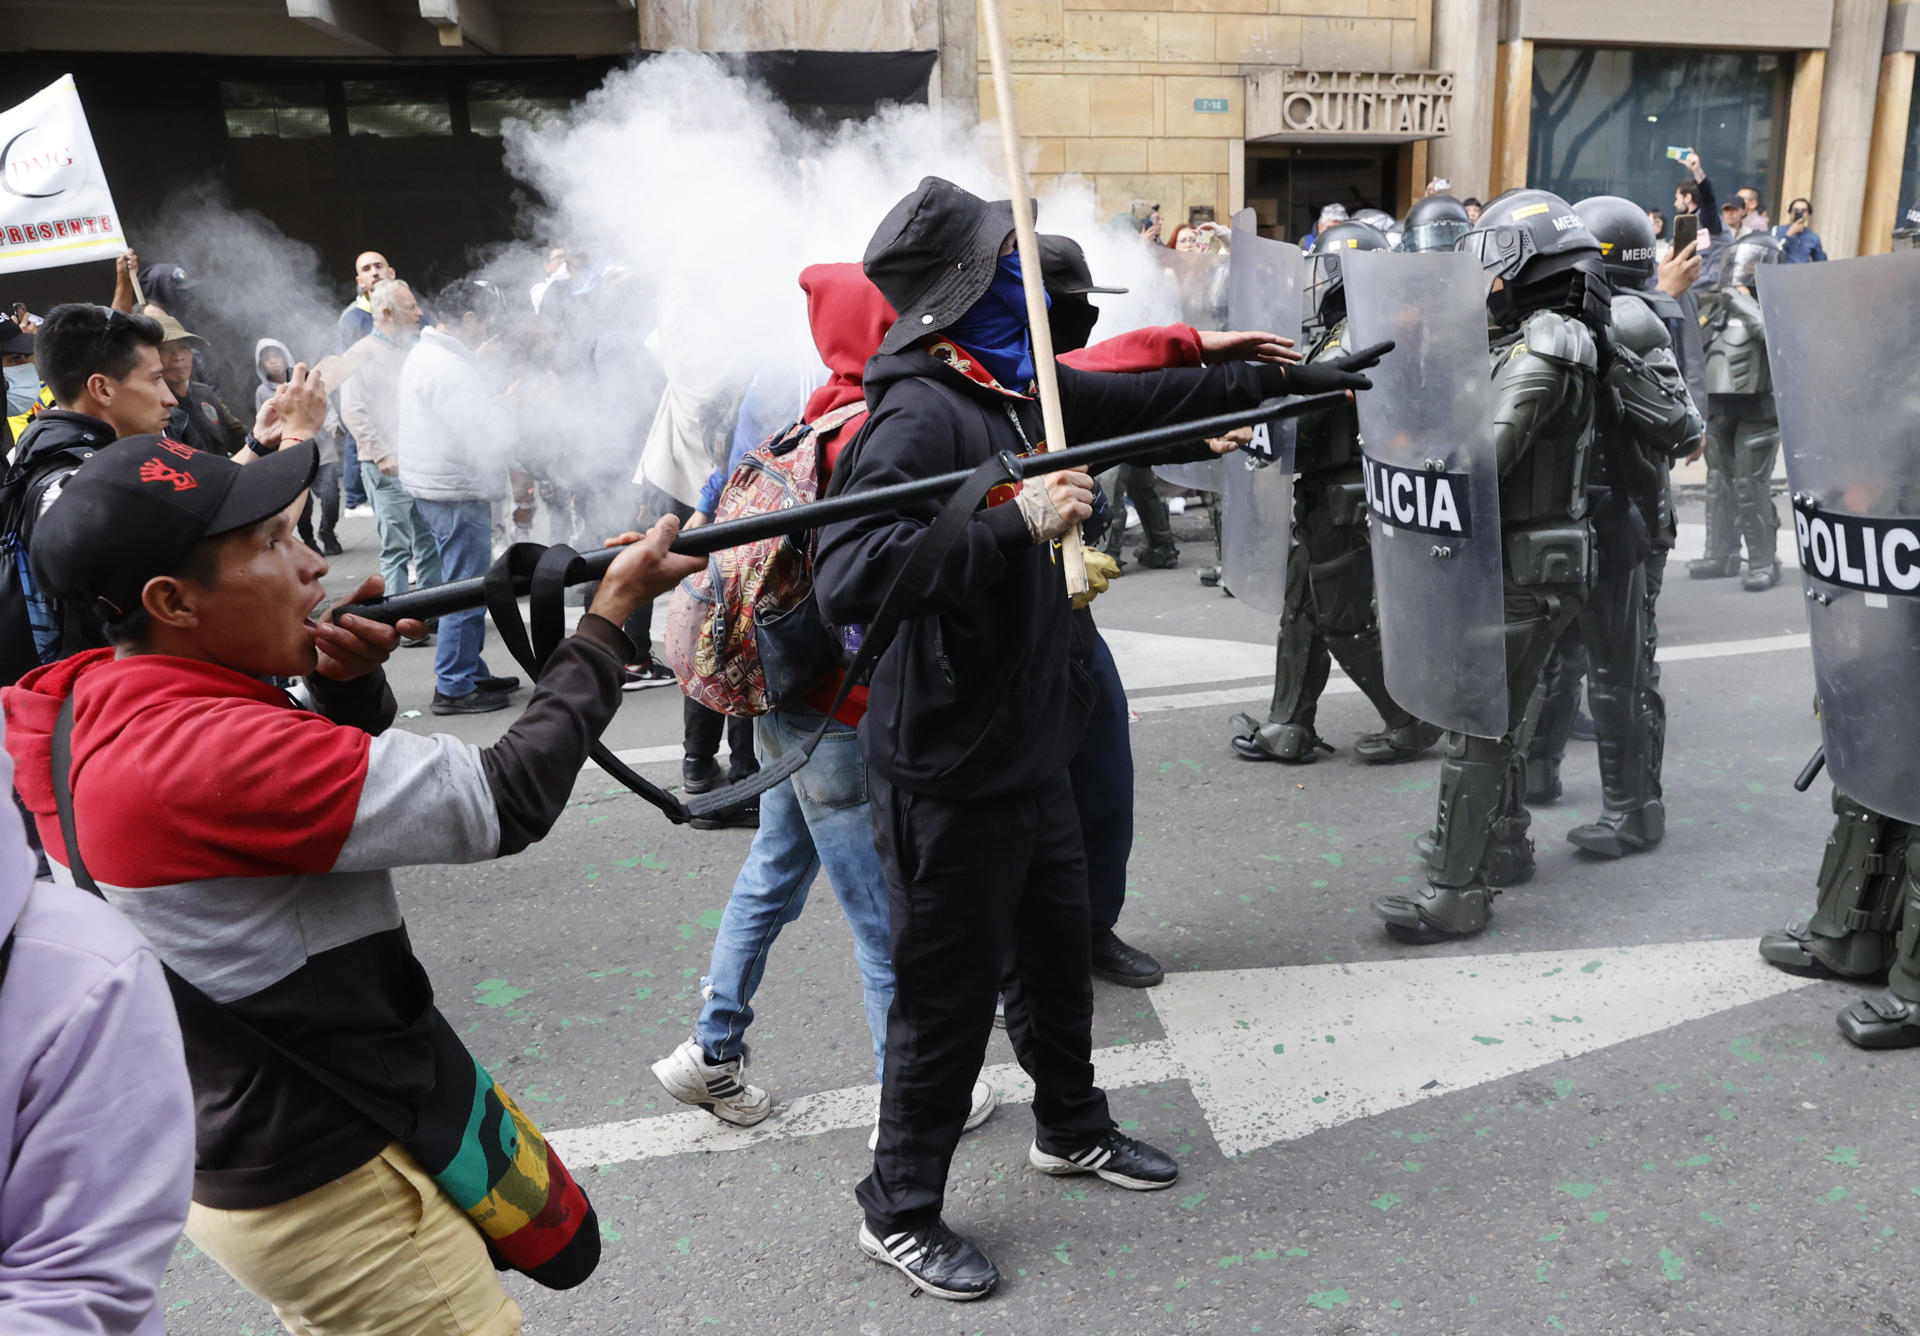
745, 636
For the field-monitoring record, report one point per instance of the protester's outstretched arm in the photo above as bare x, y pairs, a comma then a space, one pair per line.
124, 269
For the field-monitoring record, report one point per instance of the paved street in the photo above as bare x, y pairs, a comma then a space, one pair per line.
1603, 1116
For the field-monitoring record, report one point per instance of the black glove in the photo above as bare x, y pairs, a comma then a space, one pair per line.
1339, 373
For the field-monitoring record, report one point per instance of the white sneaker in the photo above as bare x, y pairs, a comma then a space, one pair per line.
985, 1100
717, 1087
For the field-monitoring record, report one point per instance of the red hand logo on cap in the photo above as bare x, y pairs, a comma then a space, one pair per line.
158, 470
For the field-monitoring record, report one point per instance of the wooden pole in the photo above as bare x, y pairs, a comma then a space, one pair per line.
1073, 557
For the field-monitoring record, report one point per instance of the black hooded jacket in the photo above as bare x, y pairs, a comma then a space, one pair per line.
978, 695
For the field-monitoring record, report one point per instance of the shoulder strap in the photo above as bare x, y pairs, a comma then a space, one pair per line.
191, 1003
552, 568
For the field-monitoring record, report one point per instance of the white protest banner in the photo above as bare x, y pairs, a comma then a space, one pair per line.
55, 208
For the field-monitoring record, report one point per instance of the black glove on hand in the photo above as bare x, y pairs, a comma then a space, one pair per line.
1341, 373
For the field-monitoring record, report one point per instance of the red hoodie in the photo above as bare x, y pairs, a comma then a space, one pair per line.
849, 318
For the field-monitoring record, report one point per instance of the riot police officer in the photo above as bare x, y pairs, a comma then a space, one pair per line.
1548, 307
1434, 223
1646, 420
1743, 432
1328, 612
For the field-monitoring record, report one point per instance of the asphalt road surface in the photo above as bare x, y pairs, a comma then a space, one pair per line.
1604, 1115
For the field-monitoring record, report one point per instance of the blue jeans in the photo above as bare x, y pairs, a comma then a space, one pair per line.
403, 533
352, 483
463, 531
818, 817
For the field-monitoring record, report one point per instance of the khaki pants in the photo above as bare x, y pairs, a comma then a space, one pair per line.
380, 1252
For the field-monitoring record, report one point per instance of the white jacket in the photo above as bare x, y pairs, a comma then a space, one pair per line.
453, 435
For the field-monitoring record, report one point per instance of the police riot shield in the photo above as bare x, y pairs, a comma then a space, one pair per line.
1265, 288
1846, 382
1432, 484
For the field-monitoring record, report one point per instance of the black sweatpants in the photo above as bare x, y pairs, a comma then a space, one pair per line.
984, 895
1102, 773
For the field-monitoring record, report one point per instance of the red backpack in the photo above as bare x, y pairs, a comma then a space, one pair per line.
745, 636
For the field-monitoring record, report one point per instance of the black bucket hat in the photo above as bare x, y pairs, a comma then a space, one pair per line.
933, 257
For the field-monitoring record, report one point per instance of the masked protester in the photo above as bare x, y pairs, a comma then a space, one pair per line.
974, 712
1548, 306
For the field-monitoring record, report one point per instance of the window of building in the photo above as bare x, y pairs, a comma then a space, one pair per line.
1910, 169
1604, 118
490, 102
275, 111
397, 108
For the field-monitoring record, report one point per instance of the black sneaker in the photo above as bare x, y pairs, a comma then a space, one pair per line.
743, 816
1128, 966
503, 685
1114, 1156
474, 702
640, 676
699, 774
935, 1259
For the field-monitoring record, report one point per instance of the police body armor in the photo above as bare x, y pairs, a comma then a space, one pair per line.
1848, 391
1647, 419
1743, 432
1329, 612
1545, 368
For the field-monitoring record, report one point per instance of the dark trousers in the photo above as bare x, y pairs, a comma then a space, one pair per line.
1102, 775
326, 493
984, 896
701, 730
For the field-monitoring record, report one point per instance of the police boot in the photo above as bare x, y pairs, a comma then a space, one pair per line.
1759, 579
1617, 834
1883, 1020
1508, 861
1543, 781
1870, 869
1714, 568
1892, 1019
1290, 743
1436, 913
1403, 742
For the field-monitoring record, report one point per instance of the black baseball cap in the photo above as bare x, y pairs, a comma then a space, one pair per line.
13, 339
933, 257
133, 510
1063, 267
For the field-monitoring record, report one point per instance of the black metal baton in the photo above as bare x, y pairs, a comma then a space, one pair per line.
1811, 771
458, 595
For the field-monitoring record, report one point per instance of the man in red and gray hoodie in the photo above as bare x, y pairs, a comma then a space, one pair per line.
252, 843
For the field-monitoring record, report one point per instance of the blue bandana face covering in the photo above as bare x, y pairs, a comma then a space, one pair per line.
995, 329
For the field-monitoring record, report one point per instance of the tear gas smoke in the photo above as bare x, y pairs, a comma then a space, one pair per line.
688, 200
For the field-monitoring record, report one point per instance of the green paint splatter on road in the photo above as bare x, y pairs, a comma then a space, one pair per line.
1578, 1191
1696, 1161
1744, 1050
1188, 1203
710, 920
1847, 1155
1592, 966
683, 1245
498, 993
1386, 1201
1329, 1299
1672, 1264
1062, 1254
1483, 1039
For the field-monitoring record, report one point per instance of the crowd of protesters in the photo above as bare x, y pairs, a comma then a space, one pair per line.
971, 804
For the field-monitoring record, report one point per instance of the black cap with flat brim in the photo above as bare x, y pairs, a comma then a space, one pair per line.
133, 511
1064, 268
14, 340
933, 257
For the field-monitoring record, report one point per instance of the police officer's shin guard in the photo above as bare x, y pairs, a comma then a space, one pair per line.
1892, 1019
1865, 879
1300, 669
1481, 831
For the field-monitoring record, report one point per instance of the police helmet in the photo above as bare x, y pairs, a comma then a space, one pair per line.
1745, 254
1434, 223
1324, 282
1626, 240
1525, 236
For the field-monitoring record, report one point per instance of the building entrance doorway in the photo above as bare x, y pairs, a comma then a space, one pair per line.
1288, 184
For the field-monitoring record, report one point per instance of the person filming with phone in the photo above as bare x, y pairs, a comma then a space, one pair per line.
1799, 243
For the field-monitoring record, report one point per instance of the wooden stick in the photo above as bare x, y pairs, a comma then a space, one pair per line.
139, 297
1072, 555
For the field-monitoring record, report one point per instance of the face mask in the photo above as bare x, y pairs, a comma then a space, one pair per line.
23, 387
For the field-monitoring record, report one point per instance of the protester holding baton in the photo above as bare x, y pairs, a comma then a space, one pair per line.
974, 712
